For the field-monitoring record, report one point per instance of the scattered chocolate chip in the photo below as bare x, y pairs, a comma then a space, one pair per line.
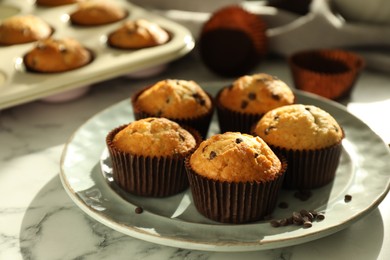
138, 210
283, 205
212, 155
307, 224
275, 223
320, 216
244, 104
299, 219
347, 198
239, 140
307, 108
252, 96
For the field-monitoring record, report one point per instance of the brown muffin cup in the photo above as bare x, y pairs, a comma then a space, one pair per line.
331, 73
310, 169
150, 176
200, 123
234, 202
233, 121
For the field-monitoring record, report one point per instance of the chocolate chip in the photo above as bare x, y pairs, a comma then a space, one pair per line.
320, 217
239, 140
275, 96
307, 108
182, 138
212, 155
244, 104
168, 100
138, 210
276, 118
199, 99
284, 222
268, 129
283, 205
336, 128
275, 223
307, 224
252, 96
347, 198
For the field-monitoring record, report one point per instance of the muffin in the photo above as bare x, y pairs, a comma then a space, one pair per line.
57, 55
330, 73
51, 3
23, 29
235, 178
309, 137
233, 41
242, 104
182, 101
148, 156
137, 34
97, 12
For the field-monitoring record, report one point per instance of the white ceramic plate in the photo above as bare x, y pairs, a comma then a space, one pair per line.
174, 221
18, 86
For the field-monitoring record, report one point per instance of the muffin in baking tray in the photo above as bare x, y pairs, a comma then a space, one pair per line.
309, 137
138, 34
148, 156
242, 104
52, 3
57, 55
235, 177
182, 101
97, 12
20, 29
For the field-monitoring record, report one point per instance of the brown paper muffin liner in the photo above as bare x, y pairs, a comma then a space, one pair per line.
200, 123
234, 202
149, 176
330, 73
234, 121
309, 169
246, 34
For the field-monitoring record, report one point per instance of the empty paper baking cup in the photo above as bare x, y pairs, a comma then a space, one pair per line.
330, 73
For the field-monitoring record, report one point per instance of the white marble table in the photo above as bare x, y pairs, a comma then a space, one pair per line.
39, 221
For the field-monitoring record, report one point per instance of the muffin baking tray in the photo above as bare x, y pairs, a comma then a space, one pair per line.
18, 86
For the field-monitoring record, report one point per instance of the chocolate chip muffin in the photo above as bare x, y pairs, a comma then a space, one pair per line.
57, 55
309, 137
148, 156
183, 101
138, 34
23, 29
97, 12
243, 103
238, 174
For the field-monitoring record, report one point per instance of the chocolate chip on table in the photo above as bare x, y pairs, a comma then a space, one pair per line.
138, 210
347, 198
212, 155
304, 218
275, 223
320, 216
